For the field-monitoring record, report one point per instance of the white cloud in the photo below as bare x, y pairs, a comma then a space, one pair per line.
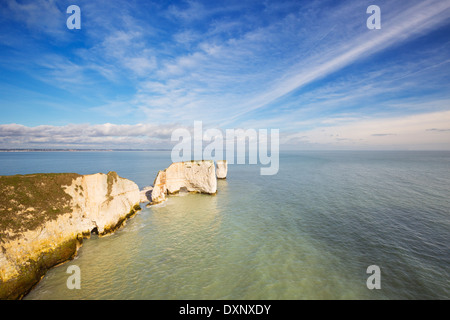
411, 23
42, 17
228, 71
426, 131
225, 79
190, 12
85, 135
407, 132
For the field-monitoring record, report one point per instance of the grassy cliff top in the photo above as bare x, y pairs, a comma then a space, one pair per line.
26, 201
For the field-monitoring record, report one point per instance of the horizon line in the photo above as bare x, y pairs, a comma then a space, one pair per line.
164, 149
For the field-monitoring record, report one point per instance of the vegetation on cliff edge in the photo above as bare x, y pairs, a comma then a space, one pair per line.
27, 201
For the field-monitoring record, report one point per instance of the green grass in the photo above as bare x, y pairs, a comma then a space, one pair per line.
111, 179
43, 191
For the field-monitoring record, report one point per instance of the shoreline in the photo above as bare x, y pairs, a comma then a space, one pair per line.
54, 213
79, 244
45, 217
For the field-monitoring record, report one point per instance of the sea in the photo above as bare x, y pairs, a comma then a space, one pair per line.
312, 231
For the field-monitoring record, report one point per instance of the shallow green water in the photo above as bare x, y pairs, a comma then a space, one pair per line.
309, 232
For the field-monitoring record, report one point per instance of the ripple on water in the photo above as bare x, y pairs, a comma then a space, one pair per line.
309, 232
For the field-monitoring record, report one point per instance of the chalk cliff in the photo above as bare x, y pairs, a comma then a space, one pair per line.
192, 176
44, 217
221, 169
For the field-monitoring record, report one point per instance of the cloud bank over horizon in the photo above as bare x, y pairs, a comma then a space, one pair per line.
138, 70
429, 131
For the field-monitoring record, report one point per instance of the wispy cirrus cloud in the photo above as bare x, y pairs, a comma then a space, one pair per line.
298, 66
42, 17
239, 76
402, 27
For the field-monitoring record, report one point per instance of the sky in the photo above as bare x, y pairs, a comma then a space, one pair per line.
138, 70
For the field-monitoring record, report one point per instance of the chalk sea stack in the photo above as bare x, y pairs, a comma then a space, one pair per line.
44, 218
221, 169
146, 194
193, 176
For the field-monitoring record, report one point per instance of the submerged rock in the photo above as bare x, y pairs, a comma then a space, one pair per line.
44, 217
221, 169
192, 176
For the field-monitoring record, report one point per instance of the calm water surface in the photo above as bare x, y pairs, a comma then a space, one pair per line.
309, 232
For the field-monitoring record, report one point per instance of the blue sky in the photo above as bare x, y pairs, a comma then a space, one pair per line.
139, 69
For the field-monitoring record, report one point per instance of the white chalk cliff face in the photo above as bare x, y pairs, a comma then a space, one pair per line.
100, 203
104, 201
221, 169
193, 176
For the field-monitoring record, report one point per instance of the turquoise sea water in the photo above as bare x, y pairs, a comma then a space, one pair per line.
309, 232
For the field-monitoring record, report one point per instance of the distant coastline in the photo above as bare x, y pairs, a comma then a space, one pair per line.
78, 150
